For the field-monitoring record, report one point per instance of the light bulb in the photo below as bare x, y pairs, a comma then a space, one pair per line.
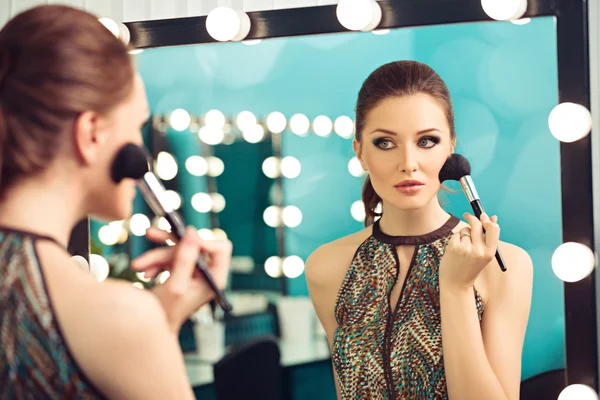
124, 34
504, 10
293, 267
226, 24
271, 167
196, 165
99, 267
173, 198
578, 392
322, 126
81, 262
109, 234
522, 21
252, 42
344, 126
216, 166
180, 119
165, 166
218, 202
245, 120
291, 216
111, 25
272, 216
214, 118
202, 202
355, 168
253, 134
211, 135
569, 122
357, 210
299, 124
381, 31
206, 234
136, 51
138, 224
571, 262
276, 122
359, 15
274, 266
290, 167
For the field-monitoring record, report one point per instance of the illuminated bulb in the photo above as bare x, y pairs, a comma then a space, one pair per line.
228, 139
82, 263
504, 10
245, 120
359, 15
111, 25
344, 127
139, 224
180, 119
163, 276
99, 267
196, 166
252, 42
218, 202
142, 277
226, 24
271, 167
165, 166
136, 51
569, 122
572, 261
124, 34
322, 126
138, 285
202, 202
291, 216
109, 235
173, 198
578, 392
211, 135
274, 266
355, 168
162, 224
219, 234
522, 21
206, 234
214, 118
293, 266
276, 122
253, 134
216, 166
381, 31
290, 167
272, 216
299, 124
357, 210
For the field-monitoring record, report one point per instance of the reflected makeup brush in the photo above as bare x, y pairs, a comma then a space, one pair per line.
457, 168
132, 162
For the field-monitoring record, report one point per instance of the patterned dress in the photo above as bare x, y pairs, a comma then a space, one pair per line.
386, 351
35, 362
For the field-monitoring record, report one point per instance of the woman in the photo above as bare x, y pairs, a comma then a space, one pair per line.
69, 100
418, 283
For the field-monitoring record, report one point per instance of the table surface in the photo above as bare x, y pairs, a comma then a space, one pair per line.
200, 368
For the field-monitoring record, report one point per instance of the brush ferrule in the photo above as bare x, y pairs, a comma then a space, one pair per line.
469, 188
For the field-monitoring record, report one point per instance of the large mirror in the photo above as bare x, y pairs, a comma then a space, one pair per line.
255, 141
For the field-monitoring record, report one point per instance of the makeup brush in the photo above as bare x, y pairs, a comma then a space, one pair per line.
457, 168
132, 162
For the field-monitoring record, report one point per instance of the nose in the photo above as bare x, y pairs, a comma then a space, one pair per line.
408, 161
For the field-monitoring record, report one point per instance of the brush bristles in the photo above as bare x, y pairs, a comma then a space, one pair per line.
131, 162
456, 167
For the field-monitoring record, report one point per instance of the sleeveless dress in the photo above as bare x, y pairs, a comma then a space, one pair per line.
393, 351
35, 362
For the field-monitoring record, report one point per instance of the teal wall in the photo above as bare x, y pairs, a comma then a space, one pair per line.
503, 80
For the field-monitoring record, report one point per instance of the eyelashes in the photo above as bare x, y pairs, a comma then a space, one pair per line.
426, 142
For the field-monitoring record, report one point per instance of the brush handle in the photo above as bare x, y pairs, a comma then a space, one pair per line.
478, 210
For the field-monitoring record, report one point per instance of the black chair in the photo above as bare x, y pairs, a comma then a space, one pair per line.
250, 371
545, 386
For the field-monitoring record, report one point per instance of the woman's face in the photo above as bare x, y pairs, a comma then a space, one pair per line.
115, 201
405, 142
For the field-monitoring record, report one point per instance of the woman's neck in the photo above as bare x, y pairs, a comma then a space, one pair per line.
397, 222
49, 207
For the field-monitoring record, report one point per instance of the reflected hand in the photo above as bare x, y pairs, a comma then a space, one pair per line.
469, 251
185, 291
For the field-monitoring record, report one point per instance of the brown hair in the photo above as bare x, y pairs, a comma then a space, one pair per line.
398, 78
55, 63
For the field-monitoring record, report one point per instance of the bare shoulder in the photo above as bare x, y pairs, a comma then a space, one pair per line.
329, 263
106, 323
518, 277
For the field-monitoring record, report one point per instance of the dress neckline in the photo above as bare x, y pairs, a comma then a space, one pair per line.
415, 240
35, 236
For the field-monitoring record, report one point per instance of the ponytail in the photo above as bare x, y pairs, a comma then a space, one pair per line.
370, 199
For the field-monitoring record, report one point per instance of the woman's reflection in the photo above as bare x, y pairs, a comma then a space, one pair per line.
415, 305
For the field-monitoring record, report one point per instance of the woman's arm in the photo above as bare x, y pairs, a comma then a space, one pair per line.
484, 361
325, 270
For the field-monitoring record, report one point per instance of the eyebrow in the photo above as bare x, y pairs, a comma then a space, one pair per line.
429, 130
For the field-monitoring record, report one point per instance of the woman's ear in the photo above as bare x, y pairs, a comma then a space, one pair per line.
358, 151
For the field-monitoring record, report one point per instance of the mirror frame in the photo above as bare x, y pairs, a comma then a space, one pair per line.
573, 84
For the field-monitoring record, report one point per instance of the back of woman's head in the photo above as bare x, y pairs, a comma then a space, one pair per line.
396, 79
56, 62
